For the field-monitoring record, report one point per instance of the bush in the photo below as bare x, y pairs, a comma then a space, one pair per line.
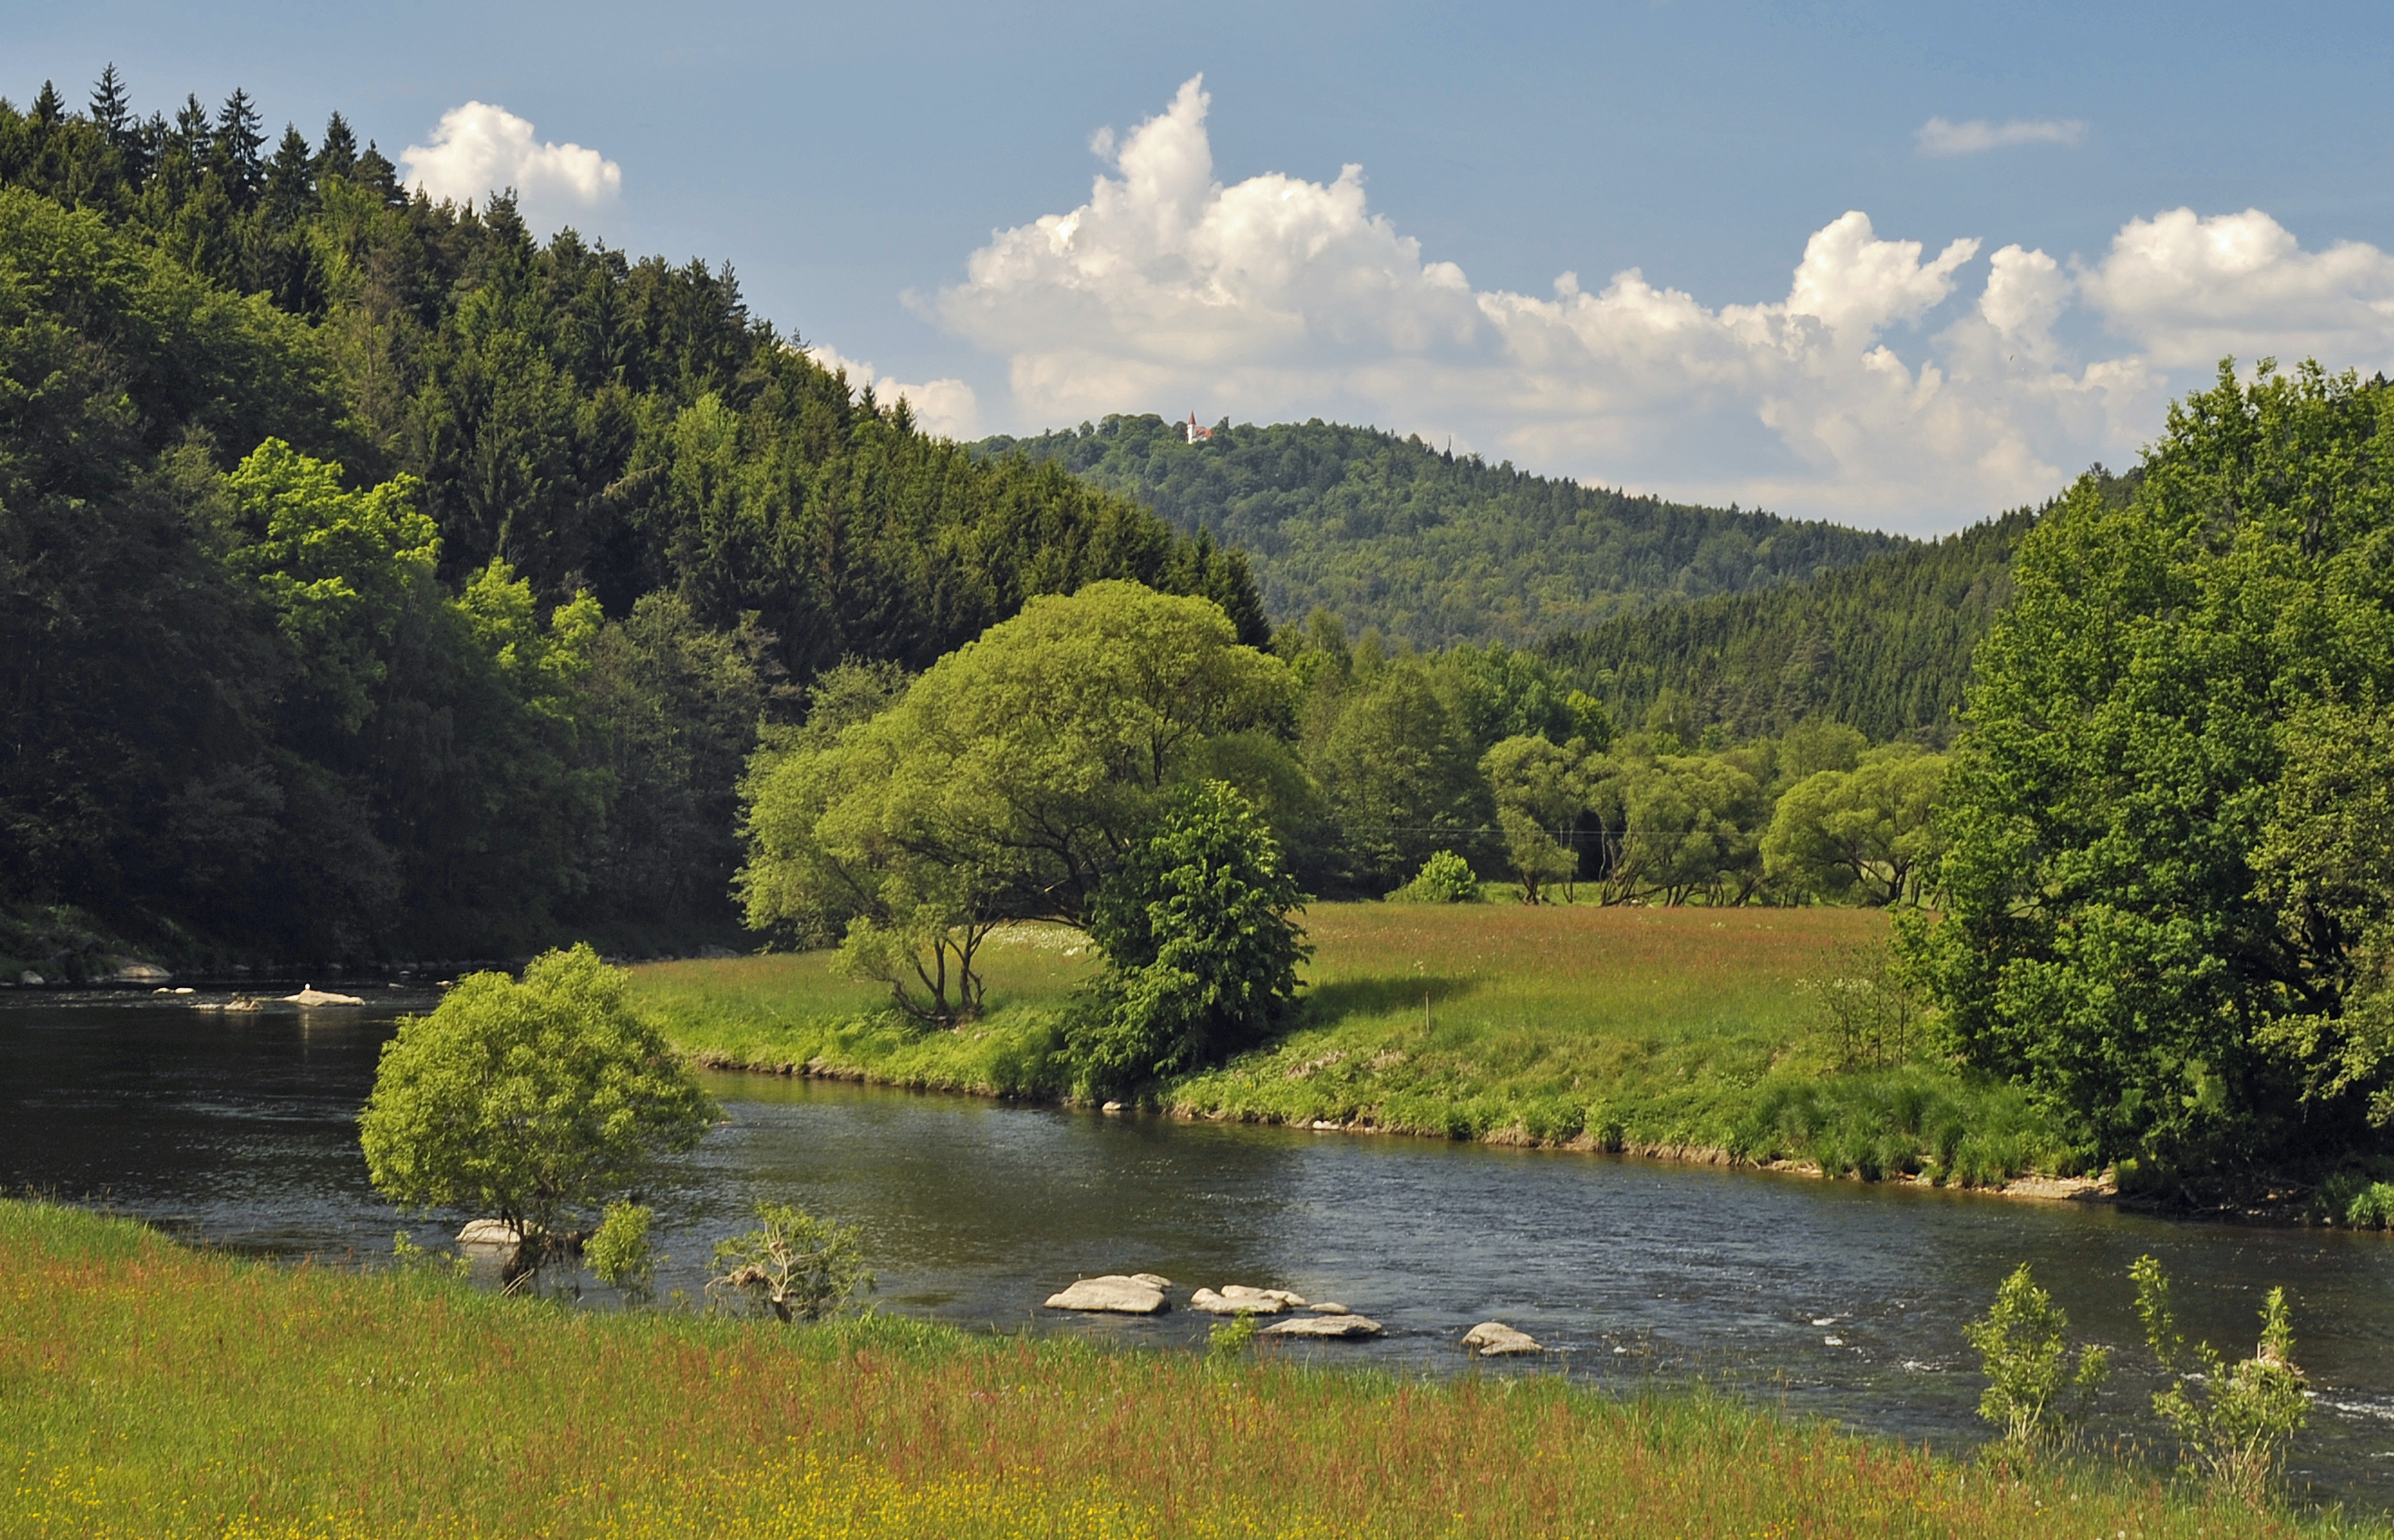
1201, 951
619, 1254
2235, 1421
1443, 879
793, 1265
2037, 1391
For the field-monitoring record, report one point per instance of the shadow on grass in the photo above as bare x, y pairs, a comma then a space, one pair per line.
1343, 998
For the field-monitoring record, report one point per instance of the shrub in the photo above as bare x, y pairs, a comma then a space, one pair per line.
619, 1253
793, 1265
2037, 1392
2235, 1421
1443, 879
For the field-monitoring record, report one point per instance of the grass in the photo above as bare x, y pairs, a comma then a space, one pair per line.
1683, 1031
147, 1391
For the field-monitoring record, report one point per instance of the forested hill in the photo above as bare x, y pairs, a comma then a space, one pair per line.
1431, 546
377, 580
1884, 645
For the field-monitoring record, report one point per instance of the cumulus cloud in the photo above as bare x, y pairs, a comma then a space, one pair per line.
1888, 385
478, 149
1943, 137
943, 407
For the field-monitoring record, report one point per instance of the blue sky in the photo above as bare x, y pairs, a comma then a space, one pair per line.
857, 166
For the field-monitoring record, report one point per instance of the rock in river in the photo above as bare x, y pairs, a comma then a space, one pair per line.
489, 1232
311, 995
1495, 1339
1238, 1299
1139, 1293
1325, 1325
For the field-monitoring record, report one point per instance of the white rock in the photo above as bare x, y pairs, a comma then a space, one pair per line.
1346, 1326
489, 1232
1152, 1280
132, 970
1238, 1299
311, 996
1328, 1306
1495, 1339
30, 977
1113, 1293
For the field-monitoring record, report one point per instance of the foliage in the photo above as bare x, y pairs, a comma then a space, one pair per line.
1227, 1342
1883, 644
1401, 776
794, 1266
2233, 1421
2037, 1390
1431, 546
531, 1101
1868, 831
1866, 1006
1446, 877
1540, 794
2159, 891
1006, 784
290, 459
1674, 826
1200, 943
618, 1251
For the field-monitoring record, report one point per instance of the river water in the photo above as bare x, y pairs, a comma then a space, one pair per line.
1840, 1299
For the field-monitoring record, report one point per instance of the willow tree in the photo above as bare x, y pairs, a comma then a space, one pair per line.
1007, 784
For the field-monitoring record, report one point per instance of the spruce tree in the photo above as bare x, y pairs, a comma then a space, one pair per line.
49, 107
290, 184
238, 141
109, 109
339, 156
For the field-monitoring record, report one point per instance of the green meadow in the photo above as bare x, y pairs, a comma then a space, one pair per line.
147, 1391
1694, 1032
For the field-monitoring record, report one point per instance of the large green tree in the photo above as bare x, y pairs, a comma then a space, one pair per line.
2157, 916
1007, 784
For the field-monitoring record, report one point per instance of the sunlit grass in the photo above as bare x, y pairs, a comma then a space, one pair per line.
150, 1392
1682, 1031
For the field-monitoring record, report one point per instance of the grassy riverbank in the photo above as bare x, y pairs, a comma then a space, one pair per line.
147, 1391
1666, 1031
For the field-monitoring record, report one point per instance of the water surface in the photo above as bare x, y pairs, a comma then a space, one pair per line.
1837, 1298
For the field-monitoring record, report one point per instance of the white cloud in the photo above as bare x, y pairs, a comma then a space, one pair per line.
1888, 386
1943, 137
478, 149
945, 408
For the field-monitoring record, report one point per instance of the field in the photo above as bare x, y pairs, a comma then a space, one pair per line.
1693, 1032
147, 1391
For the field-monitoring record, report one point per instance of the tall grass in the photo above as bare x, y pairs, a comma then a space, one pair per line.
150, 1391
1661, 1030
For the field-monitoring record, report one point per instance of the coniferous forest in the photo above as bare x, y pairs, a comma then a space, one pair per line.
378, 580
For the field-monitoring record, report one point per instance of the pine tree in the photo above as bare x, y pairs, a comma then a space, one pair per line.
109, 109
237, 140
49, 108
376, 171
192, 135
339, 156
289, 183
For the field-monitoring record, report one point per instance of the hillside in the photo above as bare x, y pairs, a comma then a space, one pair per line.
1884, 645
1430, 546
377, 579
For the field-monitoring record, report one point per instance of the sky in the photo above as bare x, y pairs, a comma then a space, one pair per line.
1896, 265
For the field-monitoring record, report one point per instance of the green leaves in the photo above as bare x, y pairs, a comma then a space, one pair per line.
2147, 921
531, 1101
2234, 1421
2037, 1392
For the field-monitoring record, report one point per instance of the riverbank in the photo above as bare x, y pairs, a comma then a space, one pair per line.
156, 1391
1686, 1034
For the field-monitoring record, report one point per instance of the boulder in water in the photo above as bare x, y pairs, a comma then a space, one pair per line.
1348, 1325
1239, 1299
1495, 1339
132, 970
1116, 1294
311, 996
489, 1232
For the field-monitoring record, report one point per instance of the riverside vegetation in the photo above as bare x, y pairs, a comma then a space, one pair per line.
1689, 1030
159, 1391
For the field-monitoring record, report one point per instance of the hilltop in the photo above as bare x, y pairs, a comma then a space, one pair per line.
1431, 546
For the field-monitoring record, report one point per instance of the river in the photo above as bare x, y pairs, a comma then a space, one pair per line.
238, 1130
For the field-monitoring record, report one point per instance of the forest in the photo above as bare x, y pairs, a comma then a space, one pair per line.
377, 580
1431, 547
